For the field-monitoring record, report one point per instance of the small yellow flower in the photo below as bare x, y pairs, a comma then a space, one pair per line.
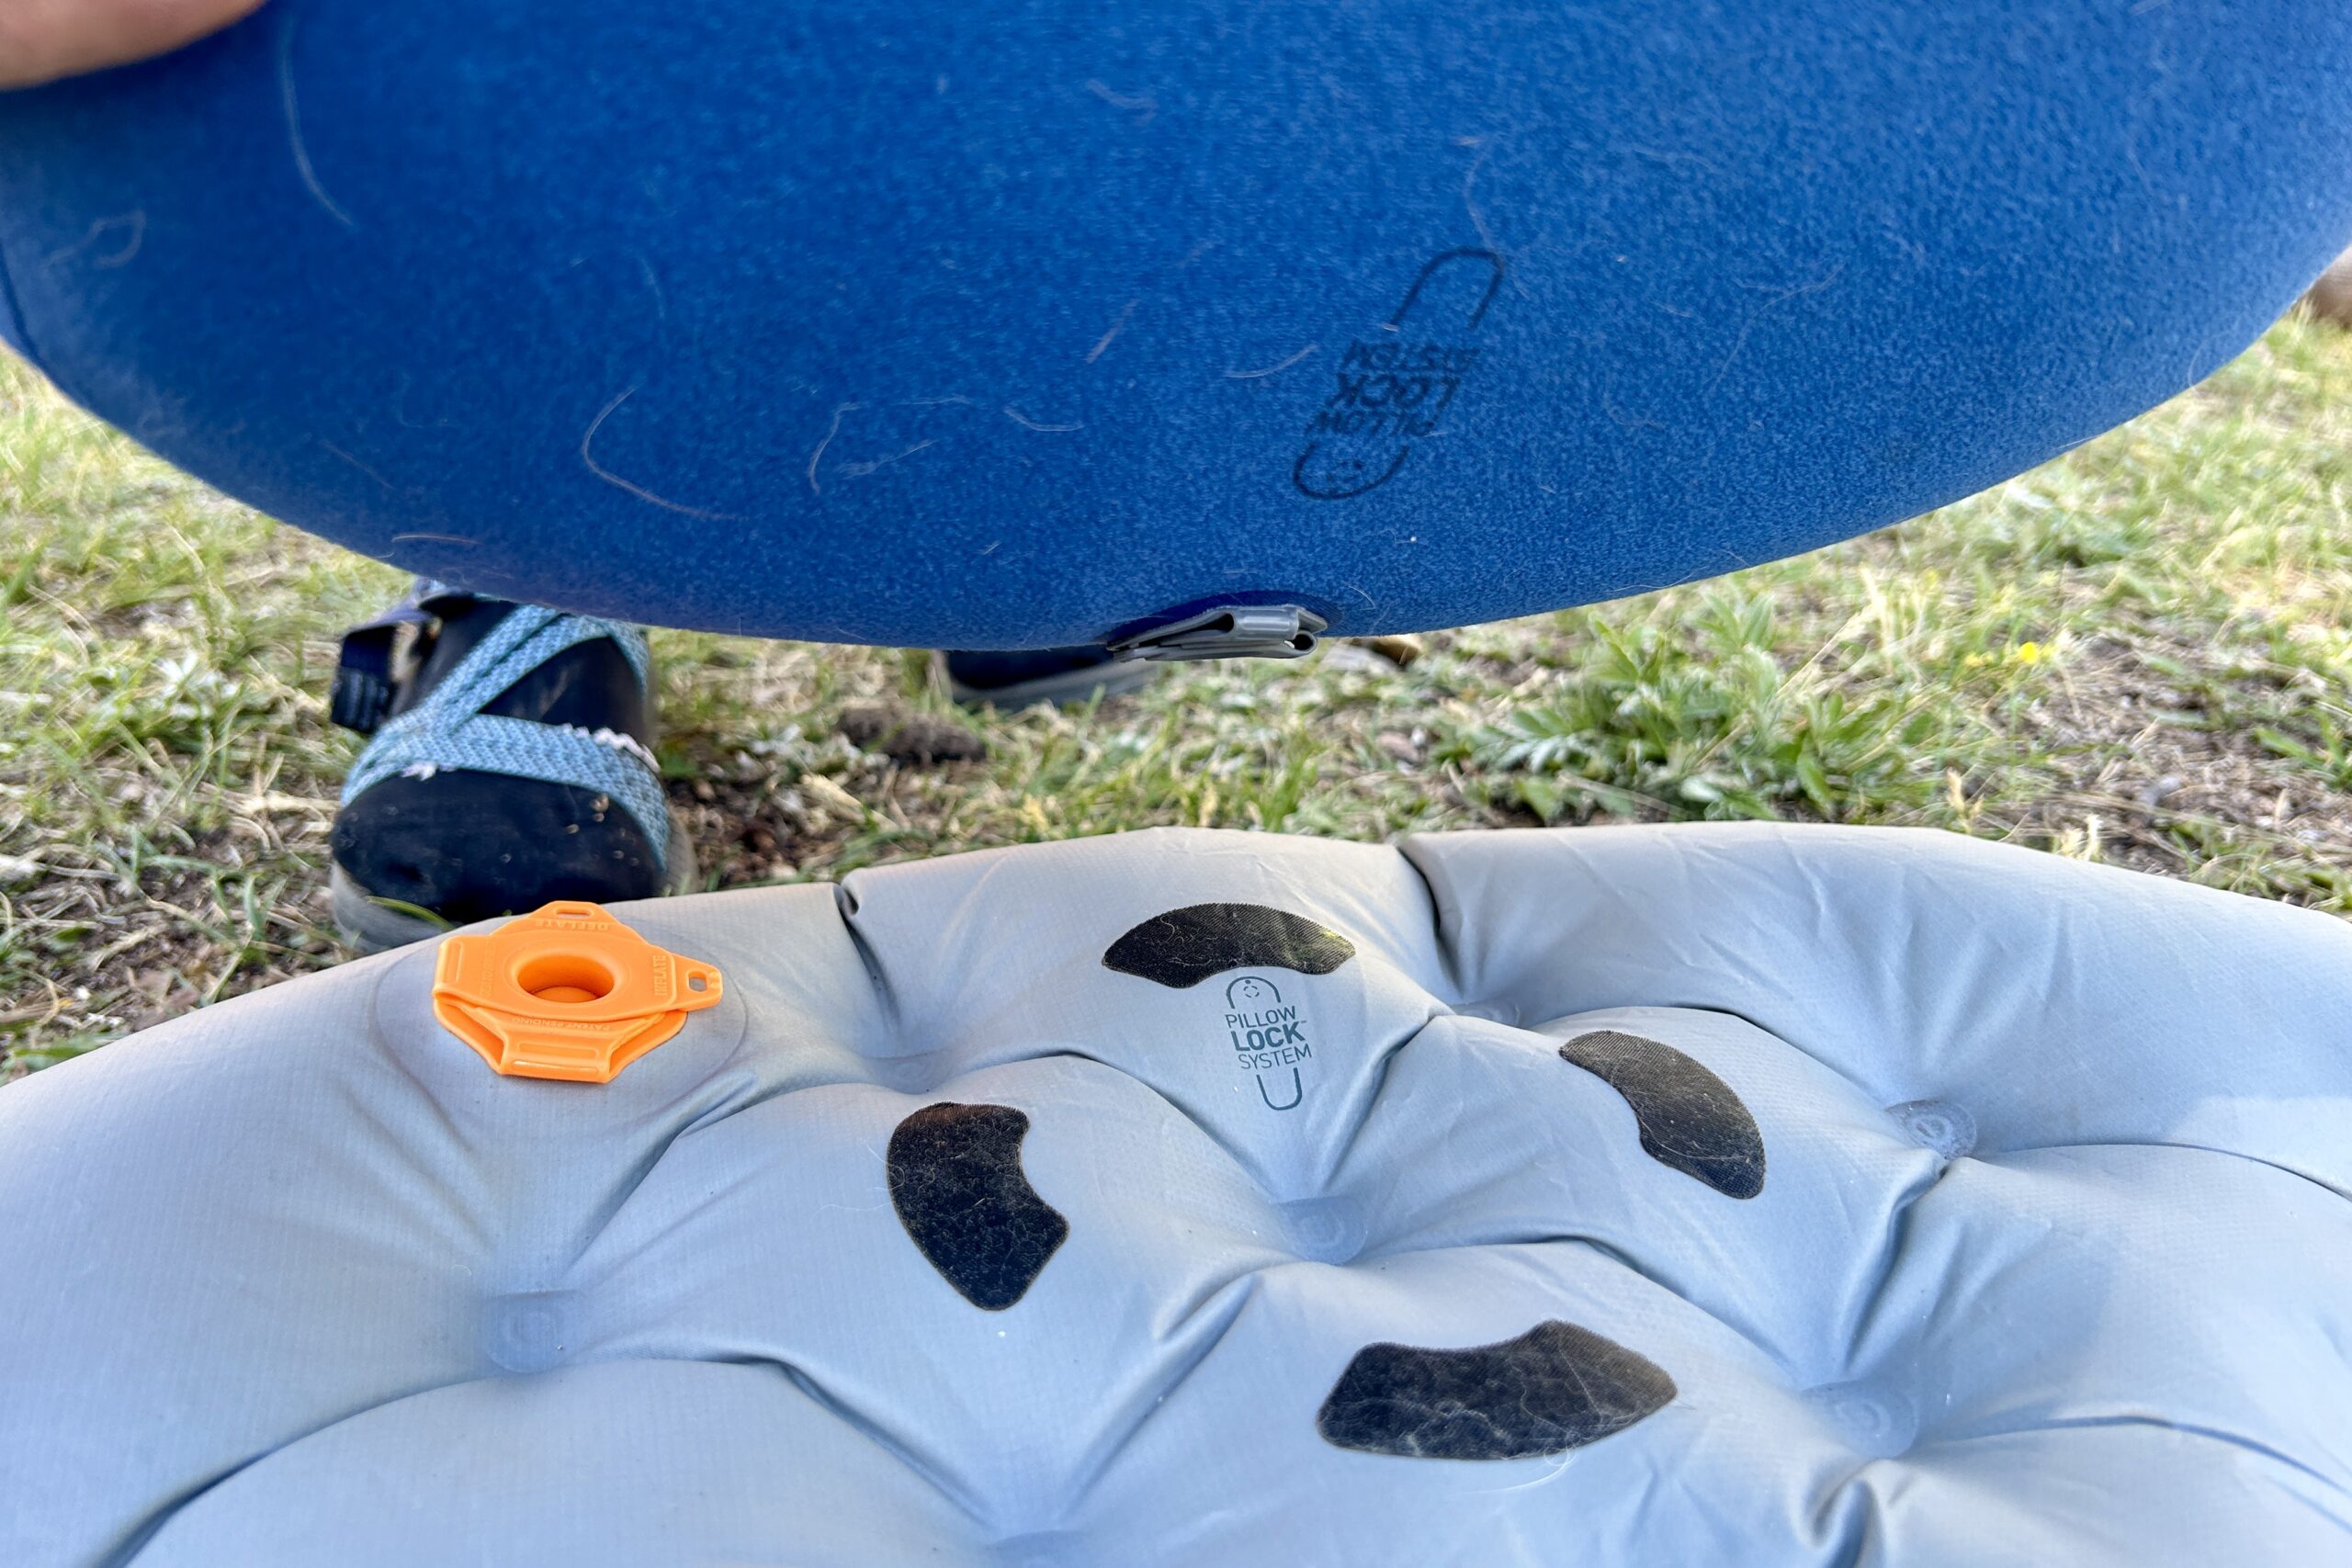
2029, 653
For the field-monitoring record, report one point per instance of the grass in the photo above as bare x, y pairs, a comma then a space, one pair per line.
2138, 653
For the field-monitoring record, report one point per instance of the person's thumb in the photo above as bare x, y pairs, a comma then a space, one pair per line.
43, 39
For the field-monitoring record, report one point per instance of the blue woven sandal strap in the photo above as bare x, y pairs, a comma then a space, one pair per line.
447, 728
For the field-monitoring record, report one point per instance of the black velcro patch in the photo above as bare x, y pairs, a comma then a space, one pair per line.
956, 1181
1553, 1388
1687, 1117
1185, 947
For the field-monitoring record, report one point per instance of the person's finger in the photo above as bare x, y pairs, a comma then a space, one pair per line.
43, 39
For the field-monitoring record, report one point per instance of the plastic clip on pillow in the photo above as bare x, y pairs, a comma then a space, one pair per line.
1229, 631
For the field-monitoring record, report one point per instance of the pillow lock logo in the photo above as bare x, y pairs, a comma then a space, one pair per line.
1396, 389
1269, 1040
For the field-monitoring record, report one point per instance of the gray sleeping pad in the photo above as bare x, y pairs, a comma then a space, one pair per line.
1624, 1197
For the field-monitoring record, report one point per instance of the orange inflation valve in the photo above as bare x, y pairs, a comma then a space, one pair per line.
568, 992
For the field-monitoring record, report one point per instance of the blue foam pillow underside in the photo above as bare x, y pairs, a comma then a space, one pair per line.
1014, 326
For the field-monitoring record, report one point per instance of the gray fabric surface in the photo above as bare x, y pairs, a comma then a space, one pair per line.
2046, 1259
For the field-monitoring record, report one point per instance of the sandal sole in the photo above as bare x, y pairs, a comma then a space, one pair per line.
372, 925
